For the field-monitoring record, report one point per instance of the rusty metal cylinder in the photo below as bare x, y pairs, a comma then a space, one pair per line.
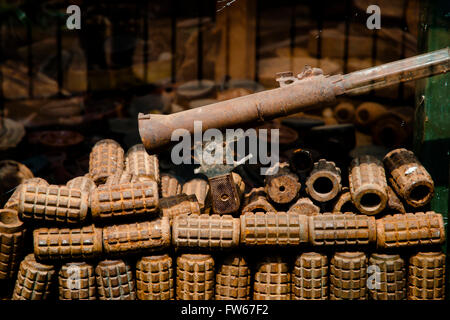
195, 277
408, 177
304, 206
115, 280
106, 158
12, 240
138, 237
348, 276
13, 201
310, 277
34, 280
387, 277
344, 202
324, 181
154, 278
141, 164
331, 229
256, 201
52, 203
125, 201
205, 231
180, 204
77, 281
67, 244
274, 229
284, 186
120, 178
368, 186
344, 112
170, 185
233, 279
272, 279
199, 188
83, 183
410, 229
426, 276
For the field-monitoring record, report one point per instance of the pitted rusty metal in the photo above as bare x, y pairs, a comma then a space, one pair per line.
141, 164
394, 204
200, 188
305, 206
195, 277
233, 279
13, 201
426, 278
174, 206
344, 202
106, 158
324, 181
170, 185
272, 279
83, 183
310, 277
12, 240
390, 283
77, 281
256, 201
115, 280
348, 276
154, 278
284, 186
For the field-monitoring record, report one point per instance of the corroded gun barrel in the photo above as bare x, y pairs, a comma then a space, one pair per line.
309, 89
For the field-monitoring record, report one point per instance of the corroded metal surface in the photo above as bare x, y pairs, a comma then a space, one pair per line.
115, 280
305, 206
284, 186
13, 201
324, 181
272, 279
170, 186
233, 279
394, 204
408, 177
410, 229
256, 201
195, 277
344, 202
83, 183
12, 239
141, 164
348, 276
154, 278
310, 277
426, 277
174, 206
200, 188
389, 280
77, 281
225, 197
106, 158
273, 228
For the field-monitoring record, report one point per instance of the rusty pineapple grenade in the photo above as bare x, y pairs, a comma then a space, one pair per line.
154, 278
310, 277
272, 279
115, 280
233, 279
348, 276
141, 164
256, 201
174, 206
324, 181
52, 203
106, 158
12, 237
13, 201
389, 275
170, 185
195, 277
77, 281
426, 279
84, 183
34, 280
199, 188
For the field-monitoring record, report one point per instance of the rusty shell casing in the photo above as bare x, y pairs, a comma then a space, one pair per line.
348, 276
426, 276
51, 203
199, 188
138, 237
394, 204
12, 240
256, 201
344, 202
205, 231
310, 277
77, 281
133, 199
34, 280
170, 185
410, 180
273, 228
272, 279
324, 181
67, 244
225, 197
284, 186
141, 164
344, 112
13, 201
342, 229
154, 278
115, 280
195, 277
305, 206
368, 186
83, 183
410, 229
180, 204
389, 282
233, 279
105, 159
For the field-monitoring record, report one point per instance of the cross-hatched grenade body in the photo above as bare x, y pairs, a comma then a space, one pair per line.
77, 281
233, 279
272, 280
324, 181
199, 188
310, 277
68, 244
13, 201
389, 280
273, 228
133, 199
174, 206
426, 278
141, 164
341, 229
154, 278
205, 231
411, 229
12, 238
83, 183
170, 185
115, 280
34, 280
52, 203
348, 276
195, 277
106, 158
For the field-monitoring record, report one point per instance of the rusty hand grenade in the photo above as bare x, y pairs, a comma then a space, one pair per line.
233, 279
12, 236
348, 276
256, 201
324, 181
305, 206
180, 204
115, 280
13, 201
195, 277
272, 280
170, 185
154, 278
344, 202
199, 188
310, 277
83, 183
389, 277
284, 186
105, 159
141, 164
77, 281
426, 277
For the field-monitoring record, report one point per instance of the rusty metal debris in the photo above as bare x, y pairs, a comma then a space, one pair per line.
115, 280
77, 281
83, 183
200, 188
305, 206
174, 206
272, 279
284, 186
140, 164
256, 201
324, 181
170, 185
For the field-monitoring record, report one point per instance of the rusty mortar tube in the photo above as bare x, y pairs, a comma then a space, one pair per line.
308, 90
